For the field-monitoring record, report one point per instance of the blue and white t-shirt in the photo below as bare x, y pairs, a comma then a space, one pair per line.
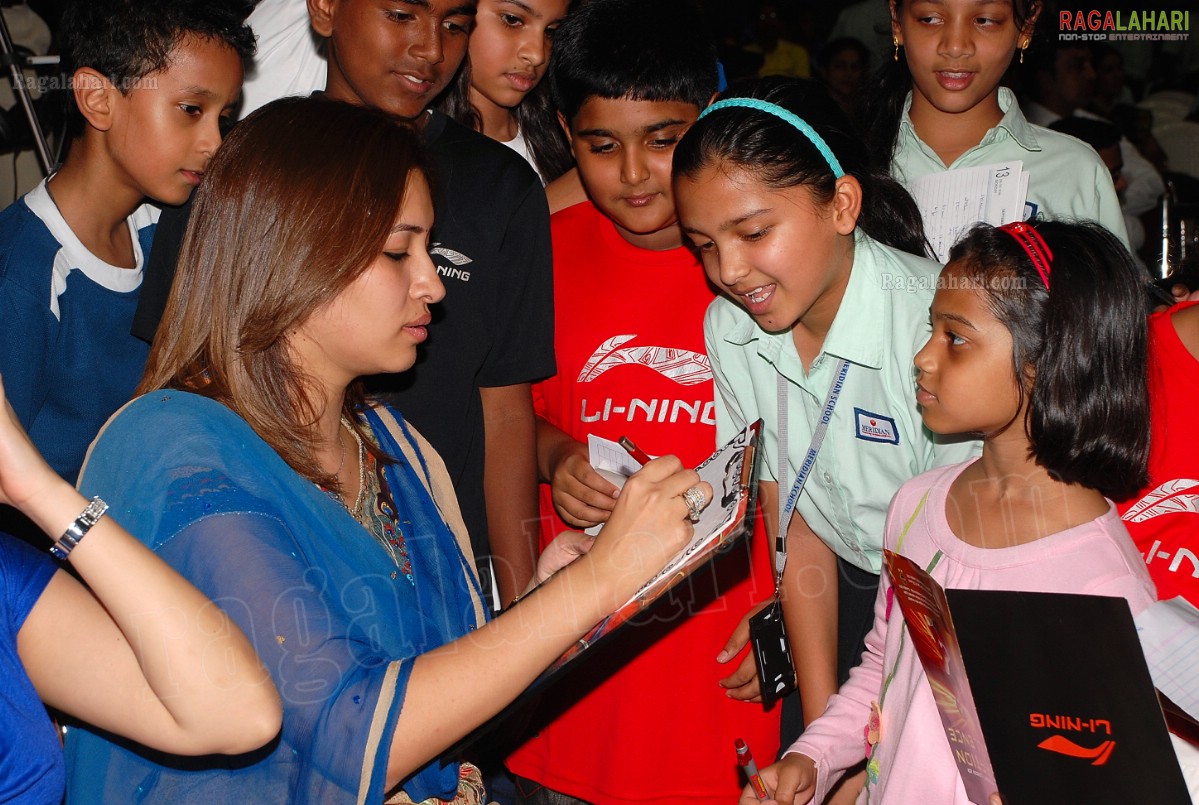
67, 357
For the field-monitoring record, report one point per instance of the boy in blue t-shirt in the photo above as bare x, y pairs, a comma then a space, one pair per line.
151, 84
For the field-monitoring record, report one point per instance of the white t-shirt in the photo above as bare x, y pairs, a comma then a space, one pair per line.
290, 59
521, 146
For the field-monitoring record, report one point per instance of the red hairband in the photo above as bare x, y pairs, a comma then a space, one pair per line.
1034, 246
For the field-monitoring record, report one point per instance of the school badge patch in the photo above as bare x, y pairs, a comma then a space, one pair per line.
875, 427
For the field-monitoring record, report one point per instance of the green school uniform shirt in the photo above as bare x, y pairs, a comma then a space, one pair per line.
876, 440
1067, 179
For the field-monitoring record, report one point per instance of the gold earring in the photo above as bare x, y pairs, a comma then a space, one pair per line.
895, 41
1023, 48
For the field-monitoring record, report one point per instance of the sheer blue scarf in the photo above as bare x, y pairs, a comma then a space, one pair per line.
333, 620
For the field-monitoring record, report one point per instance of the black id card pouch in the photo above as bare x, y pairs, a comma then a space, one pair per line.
768, 637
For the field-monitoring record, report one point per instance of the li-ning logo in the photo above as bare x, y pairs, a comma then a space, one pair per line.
680, 365
1061, 745
1177, 496
458, 259
683, 366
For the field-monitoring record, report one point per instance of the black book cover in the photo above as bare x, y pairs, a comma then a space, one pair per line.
1065, 700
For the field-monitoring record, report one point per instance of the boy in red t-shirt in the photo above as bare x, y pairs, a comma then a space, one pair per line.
646, 719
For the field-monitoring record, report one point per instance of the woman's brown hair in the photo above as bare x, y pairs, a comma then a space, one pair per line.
296, 203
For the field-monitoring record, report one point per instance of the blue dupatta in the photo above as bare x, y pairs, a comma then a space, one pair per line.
334, 622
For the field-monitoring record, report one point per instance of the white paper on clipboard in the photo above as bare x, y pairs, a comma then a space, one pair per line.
605, 454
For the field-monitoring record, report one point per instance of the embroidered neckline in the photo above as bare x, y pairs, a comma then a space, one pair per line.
381, 517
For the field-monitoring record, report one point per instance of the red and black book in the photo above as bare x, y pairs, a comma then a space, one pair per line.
1056, 683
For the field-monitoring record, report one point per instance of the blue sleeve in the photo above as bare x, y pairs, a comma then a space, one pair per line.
341, 697
24, 574
32, 769
341, 693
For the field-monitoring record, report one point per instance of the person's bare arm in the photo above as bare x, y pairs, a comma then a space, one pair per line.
143, 654
1186, 324
153, 663
565, 191
809, 597
510, 484
457, 687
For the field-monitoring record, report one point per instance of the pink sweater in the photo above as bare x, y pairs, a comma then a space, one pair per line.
913, 755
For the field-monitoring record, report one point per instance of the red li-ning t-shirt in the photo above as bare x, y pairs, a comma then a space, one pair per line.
1163, 518
643, 719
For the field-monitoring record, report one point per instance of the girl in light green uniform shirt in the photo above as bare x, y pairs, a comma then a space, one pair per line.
816, 252
939, 107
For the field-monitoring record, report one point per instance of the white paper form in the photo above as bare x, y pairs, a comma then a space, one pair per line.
607, 455
1169, 632
952, 201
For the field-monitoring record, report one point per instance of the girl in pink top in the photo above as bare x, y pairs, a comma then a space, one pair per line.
1039, 344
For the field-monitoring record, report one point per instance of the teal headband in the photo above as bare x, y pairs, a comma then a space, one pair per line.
783, 114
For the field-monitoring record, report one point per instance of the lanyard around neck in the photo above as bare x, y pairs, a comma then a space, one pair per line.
805, 469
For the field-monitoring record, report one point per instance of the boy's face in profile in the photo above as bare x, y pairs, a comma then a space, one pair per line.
164, 129
396, 55
623, 149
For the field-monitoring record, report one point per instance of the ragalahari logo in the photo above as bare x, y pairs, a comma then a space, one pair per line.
1146, 25
1061, 745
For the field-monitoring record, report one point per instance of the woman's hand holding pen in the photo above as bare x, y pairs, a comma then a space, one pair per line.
568, 546
649, 525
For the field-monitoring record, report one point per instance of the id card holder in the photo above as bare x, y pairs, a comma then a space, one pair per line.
768, 638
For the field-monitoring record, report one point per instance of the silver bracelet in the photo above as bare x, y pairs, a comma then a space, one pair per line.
77, 530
